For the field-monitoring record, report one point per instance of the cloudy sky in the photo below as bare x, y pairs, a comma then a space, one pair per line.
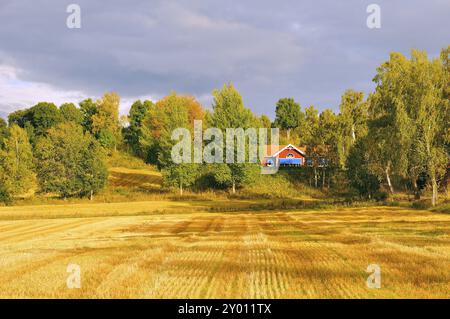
309, 50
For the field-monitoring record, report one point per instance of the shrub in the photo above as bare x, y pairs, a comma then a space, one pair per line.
5, 197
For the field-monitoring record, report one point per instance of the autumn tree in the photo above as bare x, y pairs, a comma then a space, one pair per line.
172, 112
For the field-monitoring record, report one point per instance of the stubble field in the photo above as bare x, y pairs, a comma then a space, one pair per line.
175, 250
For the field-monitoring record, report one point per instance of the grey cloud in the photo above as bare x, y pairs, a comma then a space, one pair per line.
311, 50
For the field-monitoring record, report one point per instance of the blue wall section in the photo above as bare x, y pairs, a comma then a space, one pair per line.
290, 161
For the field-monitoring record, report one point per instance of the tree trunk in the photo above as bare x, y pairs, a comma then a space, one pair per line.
434, 197
315, 177
288, 134
323, 179
416, 189
91, 196
17, 153
388, 179
181, 189
234, 187
353, 133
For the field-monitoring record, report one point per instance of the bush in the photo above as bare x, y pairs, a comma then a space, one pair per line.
381, 196
5, 197
442, 209
421, 205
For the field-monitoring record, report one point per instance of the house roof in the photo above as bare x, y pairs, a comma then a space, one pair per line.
274, 150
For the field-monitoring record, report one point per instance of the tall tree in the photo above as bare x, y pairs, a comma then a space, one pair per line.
360, 176
133, 133
3, 131
445, 58
309, 126
287, 115
105, 122
172, 112
353, 117
16, 162
328, 137
427, 109
88, 109
229, 112
410, 102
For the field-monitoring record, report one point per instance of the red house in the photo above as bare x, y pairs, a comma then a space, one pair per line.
285, 155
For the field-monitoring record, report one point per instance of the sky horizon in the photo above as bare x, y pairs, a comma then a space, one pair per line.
309, 50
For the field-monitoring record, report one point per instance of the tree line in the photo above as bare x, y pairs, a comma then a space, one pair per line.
397, 137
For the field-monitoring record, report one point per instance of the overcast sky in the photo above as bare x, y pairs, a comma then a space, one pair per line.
309, 50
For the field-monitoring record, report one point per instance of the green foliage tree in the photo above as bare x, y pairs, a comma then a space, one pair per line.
3, 131
180, 175
310, 126
265, 121
445, 59
105, 122
133, 133
19, 117
410, 102
70, 162
287, 115
88, 109
70, 113
229, 112
5, 196
361, 179
327, 144
234, 175
44, 116
353, 118
37, 119
16, 162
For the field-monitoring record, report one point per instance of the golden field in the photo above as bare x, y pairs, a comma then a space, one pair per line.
169, 249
